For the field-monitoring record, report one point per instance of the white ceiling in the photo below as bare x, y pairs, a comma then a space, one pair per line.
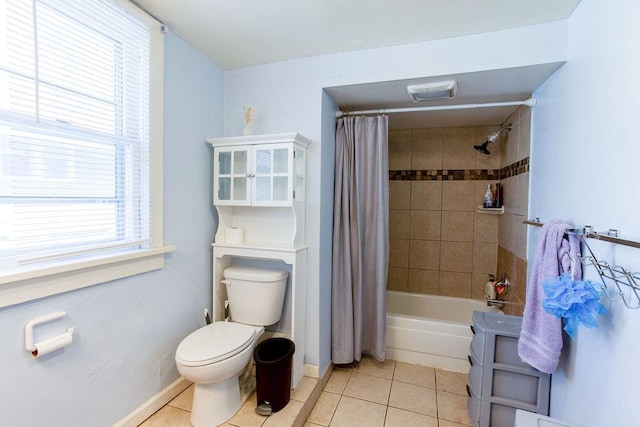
242, 33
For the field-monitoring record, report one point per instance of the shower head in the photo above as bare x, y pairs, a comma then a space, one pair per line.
482, 148
491, 138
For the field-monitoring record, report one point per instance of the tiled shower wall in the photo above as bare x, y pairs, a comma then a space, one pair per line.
512, 241
439, 244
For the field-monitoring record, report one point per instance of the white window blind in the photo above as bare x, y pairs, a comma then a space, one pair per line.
74, 130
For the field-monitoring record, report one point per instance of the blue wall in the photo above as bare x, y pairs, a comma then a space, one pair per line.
126, 331
584, 162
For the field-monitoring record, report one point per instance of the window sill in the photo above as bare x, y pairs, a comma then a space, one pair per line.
39, 282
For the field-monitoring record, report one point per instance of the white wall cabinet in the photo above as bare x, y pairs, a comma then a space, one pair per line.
259, 190
265, 174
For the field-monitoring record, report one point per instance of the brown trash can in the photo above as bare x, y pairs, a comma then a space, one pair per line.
274, 359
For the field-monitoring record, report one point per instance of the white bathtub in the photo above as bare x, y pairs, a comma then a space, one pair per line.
431, 330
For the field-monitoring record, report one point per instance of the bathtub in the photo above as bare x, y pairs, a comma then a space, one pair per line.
431, 330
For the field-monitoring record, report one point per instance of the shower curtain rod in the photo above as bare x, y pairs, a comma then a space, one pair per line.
531, 102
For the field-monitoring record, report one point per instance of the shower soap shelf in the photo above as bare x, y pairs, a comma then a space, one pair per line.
492, 211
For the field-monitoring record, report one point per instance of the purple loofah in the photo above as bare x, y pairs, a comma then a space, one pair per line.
576, 301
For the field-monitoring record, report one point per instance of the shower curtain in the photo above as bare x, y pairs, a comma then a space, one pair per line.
360, 239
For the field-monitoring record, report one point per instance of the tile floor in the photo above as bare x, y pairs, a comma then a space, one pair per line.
370, 393
177, 412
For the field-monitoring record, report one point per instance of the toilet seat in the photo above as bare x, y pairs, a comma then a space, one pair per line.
215, 342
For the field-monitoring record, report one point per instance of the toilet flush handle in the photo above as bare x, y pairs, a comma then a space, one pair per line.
226, 282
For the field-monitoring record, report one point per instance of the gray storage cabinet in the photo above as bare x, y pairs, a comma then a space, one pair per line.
499, 382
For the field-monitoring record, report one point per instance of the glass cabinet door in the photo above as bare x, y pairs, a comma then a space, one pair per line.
231, 180
259, 175
272, 181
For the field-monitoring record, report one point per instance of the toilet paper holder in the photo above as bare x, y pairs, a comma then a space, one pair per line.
51, 344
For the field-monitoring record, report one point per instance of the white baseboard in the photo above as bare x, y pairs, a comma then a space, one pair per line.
156, 402
311, 371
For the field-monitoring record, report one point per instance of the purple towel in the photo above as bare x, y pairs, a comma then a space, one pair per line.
540, 340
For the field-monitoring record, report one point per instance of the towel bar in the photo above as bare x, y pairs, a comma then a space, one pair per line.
587, 231
617, 275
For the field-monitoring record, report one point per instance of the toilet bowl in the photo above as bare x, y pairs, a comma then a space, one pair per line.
214, 356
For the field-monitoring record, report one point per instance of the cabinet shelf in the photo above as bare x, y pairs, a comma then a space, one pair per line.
262, 246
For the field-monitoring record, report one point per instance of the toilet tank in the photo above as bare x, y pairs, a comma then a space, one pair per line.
255, 295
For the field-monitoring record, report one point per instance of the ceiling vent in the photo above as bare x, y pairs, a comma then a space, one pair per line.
429, 91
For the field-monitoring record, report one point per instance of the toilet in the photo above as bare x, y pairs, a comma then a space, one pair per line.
531, 419
215, 356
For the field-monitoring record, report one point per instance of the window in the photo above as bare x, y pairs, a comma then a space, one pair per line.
78, 134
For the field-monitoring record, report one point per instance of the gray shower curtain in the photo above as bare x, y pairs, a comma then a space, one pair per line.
360, 239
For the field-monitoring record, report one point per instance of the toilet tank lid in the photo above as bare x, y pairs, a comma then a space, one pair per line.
254, 274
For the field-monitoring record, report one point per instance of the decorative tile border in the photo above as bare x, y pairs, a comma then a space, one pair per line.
444, 175
514, 169
517, 168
